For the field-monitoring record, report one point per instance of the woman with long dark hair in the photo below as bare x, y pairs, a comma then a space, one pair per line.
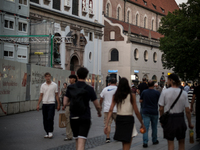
126, 104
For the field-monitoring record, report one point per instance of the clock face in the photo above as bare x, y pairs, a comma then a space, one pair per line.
75, 37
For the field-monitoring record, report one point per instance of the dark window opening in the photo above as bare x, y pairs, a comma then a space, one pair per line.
75, 7
145, 22
5, 53
162, 10
35, 1
136, 20
114, 55
107, 9
154, 6
128, 14
6, 24
56, 4
91, 38
145, 2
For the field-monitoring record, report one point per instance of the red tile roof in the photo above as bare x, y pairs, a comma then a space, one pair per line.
167, 5
136, 29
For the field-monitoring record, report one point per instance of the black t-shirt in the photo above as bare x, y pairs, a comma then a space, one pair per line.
143, 86
91, 95
197, 93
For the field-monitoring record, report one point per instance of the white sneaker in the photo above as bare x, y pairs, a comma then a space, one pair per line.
46, 136
50, 135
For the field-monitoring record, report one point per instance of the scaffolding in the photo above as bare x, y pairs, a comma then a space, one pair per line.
36, 39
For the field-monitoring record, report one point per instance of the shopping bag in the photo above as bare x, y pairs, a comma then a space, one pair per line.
62, 120
135, 133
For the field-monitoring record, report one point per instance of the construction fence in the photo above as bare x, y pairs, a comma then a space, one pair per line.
20, 84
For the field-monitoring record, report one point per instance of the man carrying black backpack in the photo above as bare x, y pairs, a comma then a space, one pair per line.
79, 95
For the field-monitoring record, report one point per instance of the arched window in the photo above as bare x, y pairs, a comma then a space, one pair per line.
108, 9
128, 15
145, 21
154, 78
146, 55
112, 35
118, 10
119, 13
136, 20
90, 56
114, 55
163, 58
152, 24
136, 54
155, 58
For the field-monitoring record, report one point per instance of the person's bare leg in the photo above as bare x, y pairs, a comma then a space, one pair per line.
126, 146
170, 145
76, 144
108, 133
181, 144
81, 144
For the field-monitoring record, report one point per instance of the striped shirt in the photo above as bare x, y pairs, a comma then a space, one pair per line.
190, 95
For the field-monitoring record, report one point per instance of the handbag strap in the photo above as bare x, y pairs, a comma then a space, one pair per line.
172, 106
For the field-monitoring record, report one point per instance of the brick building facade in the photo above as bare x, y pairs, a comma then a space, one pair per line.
131, 42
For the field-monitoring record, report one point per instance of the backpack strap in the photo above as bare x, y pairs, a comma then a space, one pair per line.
172, 106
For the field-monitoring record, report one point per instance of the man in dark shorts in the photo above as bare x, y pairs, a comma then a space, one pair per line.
196, 95
150, 98
80, 124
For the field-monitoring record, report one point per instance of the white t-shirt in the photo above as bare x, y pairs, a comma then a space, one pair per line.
169, 95
49, 92
107, 95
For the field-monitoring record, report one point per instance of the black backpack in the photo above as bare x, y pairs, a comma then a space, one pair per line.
77, 103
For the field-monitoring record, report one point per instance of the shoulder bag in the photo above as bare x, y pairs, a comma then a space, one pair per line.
164, 118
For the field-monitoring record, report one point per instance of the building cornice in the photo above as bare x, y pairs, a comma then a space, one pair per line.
66, 16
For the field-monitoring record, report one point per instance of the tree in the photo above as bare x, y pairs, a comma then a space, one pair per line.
181, 42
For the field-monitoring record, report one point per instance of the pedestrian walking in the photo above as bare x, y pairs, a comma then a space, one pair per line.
106, 99
186, 87
150, 98
157, 88
79, 95
63, 92
126, 105
66, 107
175, 101
2, 109
141, 87
48, 93
197, 96
190, 96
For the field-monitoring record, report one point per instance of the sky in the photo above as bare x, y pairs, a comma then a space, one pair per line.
181, 1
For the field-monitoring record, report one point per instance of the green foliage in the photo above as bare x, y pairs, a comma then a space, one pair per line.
181, 42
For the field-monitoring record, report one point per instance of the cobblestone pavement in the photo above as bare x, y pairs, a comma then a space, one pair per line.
91, 143
25, 131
